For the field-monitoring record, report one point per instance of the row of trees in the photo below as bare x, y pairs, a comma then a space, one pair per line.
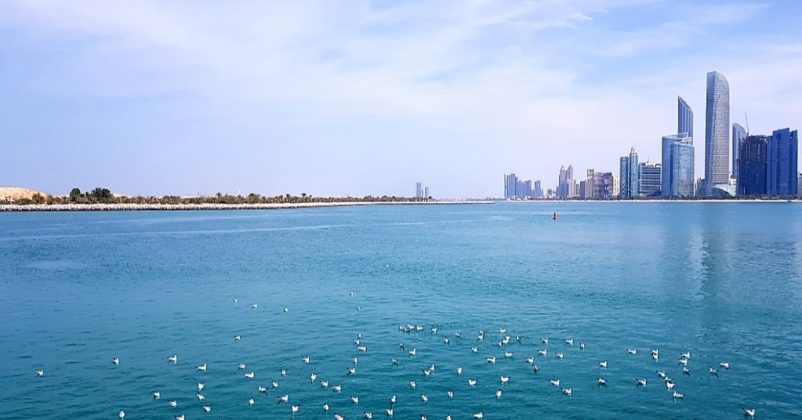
104, 196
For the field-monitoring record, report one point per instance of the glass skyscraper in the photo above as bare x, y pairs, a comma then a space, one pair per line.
717, 131
783, 147
677, 178
684, 117
752, 166
738, 136
628, 172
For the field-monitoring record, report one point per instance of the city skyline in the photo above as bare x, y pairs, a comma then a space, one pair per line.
374, 96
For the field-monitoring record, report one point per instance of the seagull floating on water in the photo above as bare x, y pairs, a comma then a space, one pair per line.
156, 395
173, 359
555, 382
498, 394
207, 408
749, 412
249, 375
471, 382
632, 351
116, 361
725, 365
40, 372
677, 396
121, 414
601, 382
603, 364
504, 379
640, 382
202, 368
251, 401
567, 392
172, 404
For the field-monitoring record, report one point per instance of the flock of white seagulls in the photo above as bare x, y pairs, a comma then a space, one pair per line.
500, 339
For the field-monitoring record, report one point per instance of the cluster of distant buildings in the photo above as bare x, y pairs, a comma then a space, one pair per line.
421, 191
762, 165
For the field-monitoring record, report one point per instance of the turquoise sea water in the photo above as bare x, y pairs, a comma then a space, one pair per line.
722, 281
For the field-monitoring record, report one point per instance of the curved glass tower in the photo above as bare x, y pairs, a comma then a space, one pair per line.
717, 131
684, 117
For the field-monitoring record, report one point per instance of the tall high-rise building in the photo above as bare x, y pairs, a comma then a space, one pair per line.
628, 172
537, 190
649, 179
752, 166
684, 117
510, 184
781, 174
566, 186
426, 192
590, 182
562, 184
418, 190
677, 179
738, 135
717, 131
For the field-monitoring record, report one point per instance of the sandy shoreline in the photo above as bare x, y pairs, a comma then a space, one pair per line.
211, 206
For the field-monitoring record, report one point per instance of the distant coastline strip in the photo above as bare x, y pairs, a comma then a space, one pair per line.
220, 206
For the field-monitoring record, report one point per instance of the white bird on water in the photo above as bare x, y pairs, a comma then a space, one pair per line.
313, 377
207, 408
450, 394
261, 389
283, 399
254, 306
413, 384
479, 416
569, 341
459, 370
567, 392
355, 400
202, 368
543, 352
413, 352
393, 399
156, 395
249, 375
471, 382
640, 382
504, 379
498, 394
725, 365
491, 360
555, 382
601, 382
173, 359
116, 361
241, 366
40, 372
424, 398
389, 412
677, 396
306, 359
749, 412
121, 414
172, 404
181, 417
200, 397
237, 338
295, 408
251, 401
201, 385
325, 407
603, 364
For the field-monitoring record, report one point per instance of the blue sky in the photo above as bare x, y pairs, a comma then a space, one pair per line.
359, 97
